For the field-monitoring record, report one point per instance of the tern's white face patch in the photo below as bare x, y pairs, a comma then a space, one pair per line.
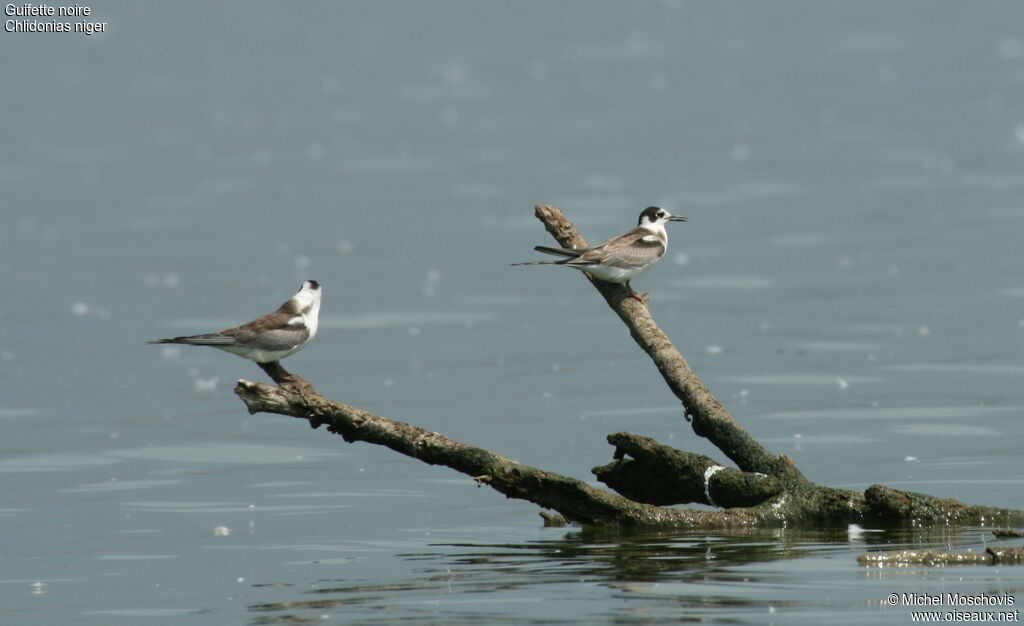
657, 229
307, 303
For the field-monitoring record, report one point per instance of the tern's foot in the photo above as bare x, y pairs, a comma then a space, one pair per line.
639, 297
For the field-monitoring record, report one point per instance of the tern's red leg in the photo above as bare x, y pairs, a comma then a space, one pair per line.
639, 297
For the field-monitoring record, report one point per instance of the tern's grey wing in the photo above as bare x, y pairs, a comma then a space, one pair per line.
271, 332
276, 340
633, 250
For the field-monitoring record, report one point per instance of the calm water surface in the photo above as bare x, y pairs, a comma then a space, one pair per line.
849, 285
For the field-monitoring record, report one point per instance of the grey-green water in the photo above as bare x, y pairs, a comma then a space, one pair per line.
849, 285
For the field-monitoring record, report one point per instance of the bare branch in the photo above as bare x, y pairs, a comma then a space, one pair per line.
710, 419
573, 498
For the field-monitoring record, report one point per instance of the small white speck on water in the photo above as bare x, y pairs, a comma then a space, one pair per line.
842, 383
537, 70
80, 309
797, 436
657, 81
1009, 48
910, 459
713, 349
449, 115
740, 152
202, 152
221, 531
262, 157
315, 151
331, 85
454, 75
240, 579
923, 330
206, 384
389, 382
430, 282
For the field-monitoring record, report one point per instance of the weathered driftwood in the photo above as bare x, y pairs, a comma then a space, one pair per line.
993, 555
574, 499
764, 490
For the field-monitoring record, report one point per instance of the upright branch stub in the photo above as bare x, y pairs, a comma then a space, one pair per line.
646, 471
709, 418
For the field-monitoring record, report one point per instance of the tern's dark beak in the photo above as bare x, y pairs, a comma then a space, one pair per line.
677, 218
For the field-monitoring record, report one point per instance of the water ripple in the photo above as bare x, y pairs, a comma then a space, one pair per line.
725, 282
896, 413
979, 368
226, 453
53, 463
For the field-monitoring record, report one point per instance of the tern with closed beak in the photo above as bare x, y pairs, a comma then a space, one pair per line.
623, 258
270, 338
